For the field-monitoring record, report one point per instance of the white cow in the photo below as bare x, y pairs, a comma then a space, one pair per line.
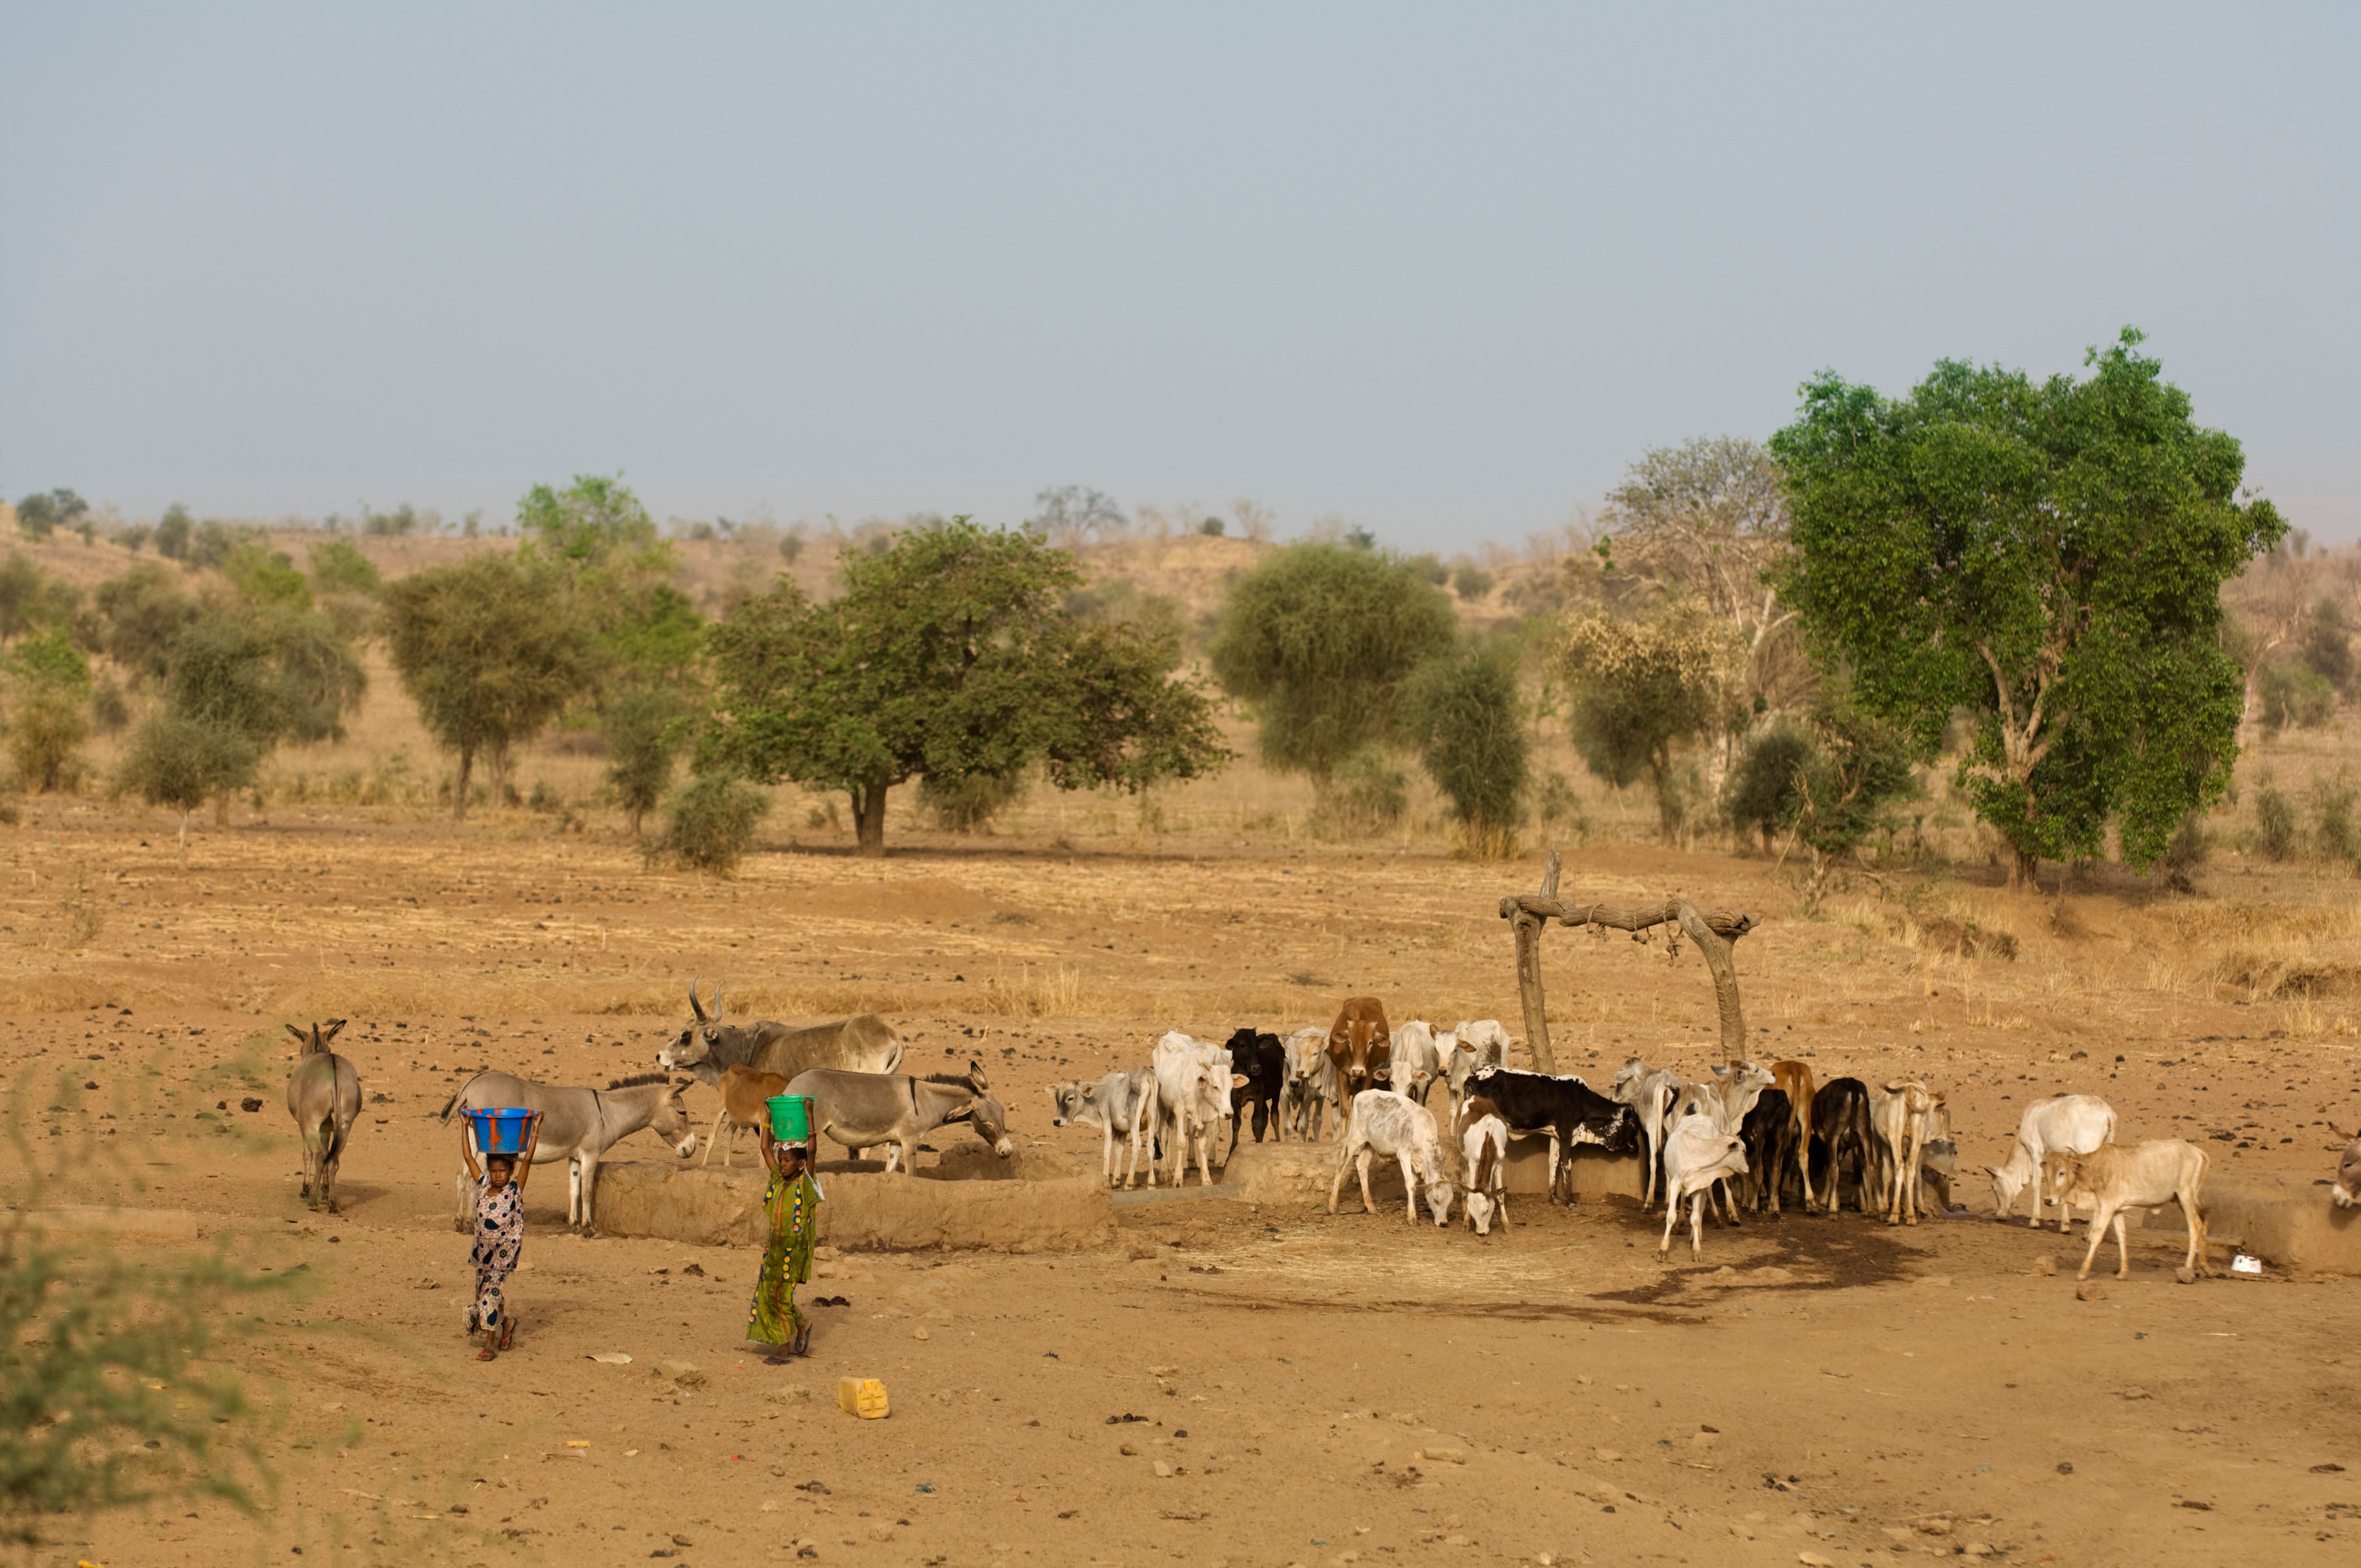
1697, 1156
1310, 1086
1483, 1139
2145, 1175
1388, 1124
1472, 1046
1193, 1080
1725, 1101
1650, 1092
1902, 1117
2063, 1124
1122, 1105
1415, 1063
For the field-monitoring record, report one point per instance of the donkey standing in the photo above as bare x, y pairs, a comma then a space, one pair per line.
578, 1125
323, 1095
859, 1110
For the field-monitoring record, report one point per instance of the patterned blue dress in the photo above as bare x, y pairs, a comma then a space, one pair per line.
499, 1241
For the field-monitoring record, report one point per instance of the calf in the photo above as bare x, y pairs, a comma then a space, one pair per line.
1901, 1122
1565, 1111
1193, 1080
745, 1103
1698, 1153
1261, 1061
1122, 1105
1650, 1092
1360, 1046
1938, 1166
2145, 1176
1310, 1086
2346, 1191
1841, 1125
1416, 1062
2063, 1124
1768, 1135
1483, 1139
1386, 1123
1477, 1044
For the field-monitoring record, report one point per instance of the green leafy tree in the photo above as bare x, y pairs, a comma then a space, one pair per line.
136, 617
647, 729
1466, 717
178, 761
173, 532
39, 515
1829, 780
947, 656
266, 576
1319, 639
260, 676
32, 600
339, 567
2048, 558
491, 650
1640, 690
48, 710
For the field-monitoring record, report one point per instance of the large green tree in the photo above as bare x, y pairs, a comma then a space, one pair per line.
947, 656
2046, 556
1319, 639
1640, 690
491, 649
1466, 714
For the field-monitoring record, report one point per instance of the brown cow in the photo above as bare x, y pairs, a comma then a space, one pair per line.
1794, 1079
1361, 1046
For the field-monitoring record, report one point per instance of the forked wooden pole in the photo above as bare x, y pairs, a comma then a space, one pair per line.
1527, 926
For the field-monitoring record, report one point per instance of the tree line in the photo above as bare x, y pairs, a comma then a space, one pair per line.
2034, 578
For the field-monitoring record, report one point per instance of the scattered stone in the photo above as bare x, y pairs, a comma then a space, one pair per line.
428, 1284
2090, 1290
1128, 1451
1935, 1524
2047, 1264
1607, 1455
2065, 1467
2331, 1468
920, 1334
1440, 1456
250, 1104
1813, 1560
1163, 1470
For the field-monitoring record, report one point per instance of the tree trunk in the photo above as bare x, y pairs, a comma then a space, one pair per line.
869, 816
459, 790
2023, 871
184, 835
220, 809
496, 761
636, 812
1528, 928
1718, 951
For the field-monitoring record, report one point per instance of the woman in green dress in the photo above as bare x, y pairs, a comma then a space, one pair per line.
791, 1201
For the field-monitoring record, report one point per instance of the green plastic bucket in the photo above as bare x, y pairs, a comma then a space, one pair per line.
791, 1118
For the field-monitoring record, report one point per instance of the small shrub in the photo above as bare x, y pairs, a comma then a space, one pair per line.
1471, 582
2294, 696
172, 531
2274, 820
48, 712
710, 826
2332, 834
2189, 846
1213, 528
339, 567
1765, 791
968, 804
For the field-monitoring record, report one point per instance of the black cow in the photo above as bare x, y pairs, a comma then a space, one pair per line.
1769, 1135
1565, 1111
1261, 1059
1840, 1123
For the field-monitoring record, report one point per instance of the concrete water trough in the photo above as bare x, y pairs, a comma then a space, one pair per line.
865, 1209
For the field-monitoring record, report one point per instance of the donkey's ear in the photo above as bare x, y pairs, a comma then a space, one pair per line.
682, 1085
335, 1026
301, 1036
975, 1075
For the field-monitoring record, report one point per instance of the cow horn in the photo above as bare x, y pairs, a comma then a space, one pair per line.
694, 1005
716, 1001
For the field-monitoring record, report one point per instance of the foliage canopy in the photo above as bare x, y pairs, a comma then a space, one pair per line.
1466, 715
2049, 557
948, 656
1320, 638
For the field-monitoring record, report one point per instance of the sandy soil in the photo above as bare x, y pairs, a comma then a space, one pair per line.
1350, 1388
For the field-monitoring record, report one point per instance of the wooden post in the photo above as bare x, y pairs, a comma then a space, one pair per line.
1527, 926
1719, 958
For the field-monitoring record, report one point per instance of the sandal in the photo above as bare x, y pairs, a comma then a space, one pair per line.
802, 1345
508, 1332
487, 1353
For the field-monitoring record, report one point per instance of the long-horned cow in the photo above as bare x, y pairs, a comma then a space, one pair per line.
323, 1095
707, 1046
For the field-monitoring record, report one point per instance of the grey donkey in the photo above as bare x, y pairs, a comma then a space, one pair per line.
323, 1095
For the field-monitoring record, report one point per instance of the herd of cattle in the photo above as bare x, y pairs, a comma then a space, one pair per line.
1746, 1139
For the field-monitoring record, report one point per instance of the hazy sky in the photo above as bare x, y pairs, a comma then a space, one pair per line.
1444, 271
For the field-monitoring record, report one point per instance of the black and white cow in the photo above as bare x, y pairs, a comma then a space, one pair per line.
1565, 1111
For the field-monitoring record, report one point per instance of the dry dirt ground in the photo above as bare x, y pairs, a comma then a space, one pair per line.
1306, 1390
